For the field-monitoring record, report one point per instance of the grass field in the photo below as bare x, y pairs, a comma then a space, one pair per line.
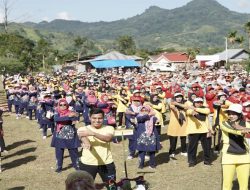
30, 164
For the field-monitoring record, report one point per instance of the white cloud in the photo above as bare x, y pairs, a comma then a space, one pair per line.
244, 4
45, 19
63, 15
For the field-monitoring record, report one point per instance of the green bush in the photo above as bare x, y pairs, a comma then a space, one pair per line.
11, 66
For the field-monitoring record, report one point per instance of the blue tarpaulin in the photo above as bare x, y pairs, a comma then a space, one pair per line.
114, 63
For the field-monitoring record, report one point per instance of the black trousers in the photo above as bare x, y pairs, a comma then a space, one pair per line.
173, 142
120, 118
2, 143
107, 172
193, 140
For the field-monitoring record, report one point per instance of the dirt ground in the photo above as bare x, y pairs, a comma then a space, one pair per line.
30, 164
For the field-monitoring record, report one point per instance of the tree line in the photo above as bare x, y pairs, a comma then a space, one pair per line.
18, 53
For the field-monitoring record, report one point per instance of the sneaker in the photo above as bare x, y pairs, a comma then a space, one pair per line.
191, 165
58, 170
172, 156
5, 152
147, 157
44, 137
216, 152
17, 117
208, 164
152, 167
184, 154
130, 157
27, 117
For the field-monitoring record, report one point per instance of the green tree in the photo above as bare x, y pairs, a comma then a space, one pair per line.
191, 53
247, 29
11, 65
126, 45
43, 49
232, 37
142, 53
16, 47
240, 40
83, 45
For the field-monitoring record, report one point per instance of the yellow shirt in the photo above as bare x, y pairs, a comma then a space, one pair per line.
158, 114
174, 127
100, 151
222, 115
233, 158
194, 125
121, 107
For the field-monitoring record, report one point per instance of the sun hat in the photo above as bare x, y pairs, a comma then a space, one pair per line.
198, 100
136, 91
221, 94
235, 108
245, 104
178, 94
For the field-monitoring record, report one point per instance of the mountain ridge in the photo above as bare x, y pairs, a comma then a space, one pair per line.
199, 23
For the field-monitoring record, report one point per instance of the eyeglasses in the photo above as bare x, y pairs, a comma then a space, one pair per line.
62, 104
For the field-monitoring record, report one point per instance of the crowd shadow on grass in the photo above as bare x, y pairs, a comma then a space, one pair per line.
17, 188
18, 162
162, 158
20, 152
200, 157
67, 167
164, 137
19, 143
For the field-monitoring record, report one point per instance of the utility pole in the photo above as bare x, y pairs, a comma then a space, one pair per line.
226, 52
6, 10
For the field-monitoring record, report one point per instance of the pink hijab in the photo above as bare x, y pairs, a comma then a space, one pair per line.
149, 123
62, 113
106, 110
91, 98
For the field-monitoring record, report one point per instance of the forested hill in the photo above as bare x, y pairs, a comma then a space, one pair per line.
200, 23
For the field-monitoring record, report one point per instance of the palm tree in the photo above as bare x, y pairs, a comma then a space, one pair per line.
247, 29
191, 53
240, 40
232, 37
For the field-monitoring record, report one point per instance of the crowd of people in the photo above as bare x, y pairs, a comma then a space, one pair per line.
205, 105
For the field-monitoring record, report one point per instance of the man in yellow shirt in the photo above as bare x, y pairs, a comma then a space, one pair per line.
96, 154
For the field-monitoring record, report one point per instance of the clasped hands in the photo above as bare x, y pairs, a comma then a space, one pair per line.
73, 114
243, 130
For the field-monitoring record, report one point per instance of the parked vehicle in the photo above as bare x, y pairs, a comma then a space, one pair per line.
167, 67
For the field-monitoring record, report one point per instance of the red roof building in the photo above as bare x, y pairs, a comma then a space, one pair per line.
178, 60
176, 57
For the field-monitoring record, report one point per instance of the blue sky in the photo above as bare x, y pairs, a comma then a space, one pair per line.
96, 10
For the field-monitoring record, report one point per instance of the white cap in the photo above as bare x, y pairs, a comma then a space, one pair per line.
245, 104
235, 108
136, 91
221, 94
178, 94
158, 86
198, 100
